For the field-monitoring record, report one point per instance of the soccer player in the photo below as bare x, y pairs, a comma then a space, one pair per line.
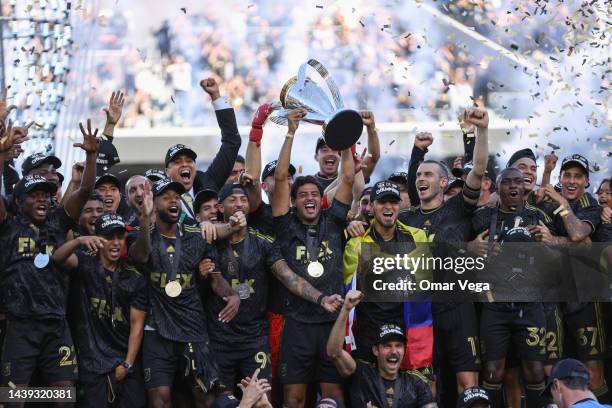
381, 384
110, 315
311, 242
109, 188
169, 254
401, 178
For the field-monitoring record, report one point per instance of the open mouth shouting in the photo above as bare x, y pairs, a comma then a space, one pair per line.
422, 188
173, 210
41, 210
330, 163
114, 251
108, 203
185, 175
388, 215
393, 362
310, 207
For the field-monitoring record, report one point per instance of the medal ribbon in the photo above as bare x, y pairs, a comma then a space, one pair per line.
233, 260
312, 245
173, 265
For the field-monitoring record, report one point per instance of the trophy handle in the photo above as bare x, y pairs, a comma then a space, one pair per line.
324, 73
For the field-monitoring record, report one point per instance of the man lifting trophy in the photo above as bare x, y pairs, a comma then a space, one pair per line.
341, 127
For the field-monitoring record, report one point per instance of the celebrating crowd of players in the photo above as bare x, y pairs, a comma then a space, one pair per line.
184, 287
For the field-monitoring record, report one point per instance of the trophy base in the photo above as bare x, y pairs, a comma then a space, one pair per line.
343, 129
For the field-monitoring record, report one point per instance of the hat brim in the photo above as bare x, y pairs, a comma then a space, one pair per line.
392, 336
475, 400
173, 185
400, 180
202, 197
456, 183
387, 196
457, 172
53, 160
47, 187
184, 151
108, 178
110, 230
574, 163
267, 174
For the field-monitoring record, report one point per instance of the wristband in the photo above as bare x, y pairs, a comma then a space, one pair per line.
559, 209
289, 136
320, 298
127, 366
564, 213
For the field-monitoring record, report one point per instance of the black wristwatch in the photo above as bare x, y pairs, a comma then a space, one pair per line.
127, 366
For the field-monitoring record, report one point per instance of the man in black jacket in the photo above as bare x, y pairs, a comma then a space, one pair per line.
180, 159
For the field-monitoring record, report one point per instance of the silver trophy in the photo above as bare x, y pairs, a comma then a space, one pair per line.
341, 127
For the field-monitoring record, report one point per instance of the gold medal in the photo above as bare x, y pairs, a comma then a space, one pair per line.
243, 291
173, 289
315, 269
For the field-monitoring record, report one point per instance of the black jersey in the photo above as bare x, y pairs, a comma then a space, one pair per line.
408, 390
324, 181
102, 316
262, 219
328, 239
586, 208
180, 318
246, 266
27, 291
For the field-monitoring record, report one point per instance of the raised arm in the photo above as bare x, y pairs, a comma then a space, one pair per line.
550, 162
373, 145
480, 119
221, 166
140, 250
344, 194
64, 256
113, 114
281, 202
300, 287
75, 181
75, 202
422, 141
577, 229
345, 364
253, 157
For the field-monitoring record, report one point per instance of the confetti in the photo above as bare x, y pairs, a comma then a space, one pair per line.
184, 10
172, 99
319, 6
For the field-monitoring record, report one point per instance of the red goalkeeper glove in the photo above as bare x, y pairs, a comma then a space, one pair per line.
260, 116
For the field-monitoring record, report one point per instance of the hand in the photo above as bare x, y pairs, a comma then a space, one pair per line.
120, 373
352, 299
12, 138
359, 161
356, 228
332, 303
606, 215
145, 210
206, 267
91, 143
77, 172
209, 232
211, 87
541, 233
479, 245
476, 117
11, 154
550, 162
245, 179
5, 110
92, 242
253, 390
237, 221
423, 140
260, 116
115, 107
294, 119
230, 310
458, 162
368, 120
551, 193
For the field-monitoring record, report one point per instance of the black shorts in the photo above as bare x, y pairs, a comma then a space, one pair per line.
241, 362
103, 390
586, 330
303, 354
163, 359
456, 340
554, 333
42, 345
524, 327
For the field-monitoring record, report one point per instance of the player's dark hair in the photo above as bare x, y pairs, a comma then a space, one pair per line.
95, 196
240, 159
604, 181
300, 181
575, 383
443, 168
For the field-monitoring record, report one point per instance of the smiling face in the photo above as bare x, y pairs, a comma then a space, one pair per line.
236, 170
110, 196
114, 246
389, 356
603, 193
329, 160
366, 210
135, 190
386, 211
89, 214
208, 211
573, 183
237, 202
183, 170
34, 206
529, 168
168, 206
511, 188
308, 202
430, 182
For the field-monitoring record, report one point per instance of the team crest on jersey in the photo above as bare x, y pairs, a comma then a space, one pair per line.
147, 374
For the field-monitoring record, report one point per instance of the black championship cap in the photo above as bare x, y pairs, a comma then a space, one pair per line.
155, 175
472, 395
366, 191
320, 143
390, 332
576, 160
226, 401
228, 189
453, 182
202, 197
270, 167
567, 368
108, 178
109, 223
519, 155
33, 183
107, 157
399, 177
385, 189
33, 161
177, 150
167, 184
